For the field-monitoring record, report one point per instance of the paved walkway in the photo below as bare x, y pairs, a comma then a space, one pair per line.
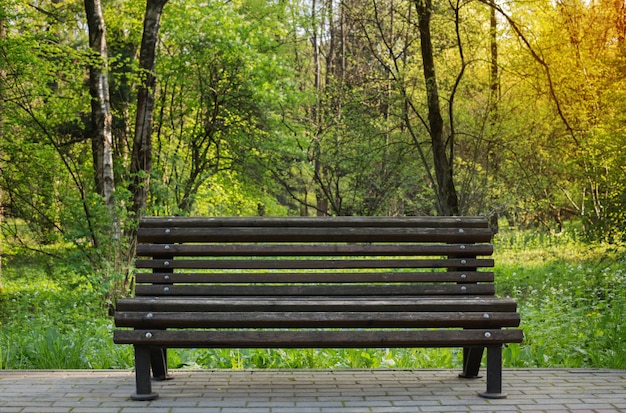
319, 391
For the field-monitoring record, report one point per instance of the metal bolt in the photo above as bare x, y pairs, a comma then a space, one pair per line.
462, 247
463, 262
487, 334
148, 335
463, 288
166, 289
166, 264
167, 230
461, 230
485, 315
149, 315
463, 276
166, 277
167, 247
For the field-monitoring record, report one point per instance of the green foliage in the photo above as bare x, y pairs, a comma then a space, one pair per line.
572, 299
248, 122
47, 179
314, 358
571, 296
220, 86
245, 113
52, 317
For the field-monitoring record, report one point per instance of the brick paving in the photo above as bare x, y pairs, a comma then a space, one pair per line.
312, 391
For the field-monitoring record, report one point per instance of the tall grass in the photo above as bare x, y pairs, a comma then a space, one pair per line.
52, 317
572, 299
571, 295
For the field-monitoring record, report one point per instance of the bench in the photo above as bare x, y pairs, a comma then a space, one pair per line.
336, 282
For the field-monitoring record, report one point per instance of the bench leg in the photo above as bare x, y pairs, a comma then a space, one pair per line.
142, 375
494, 373
158, 360
472, 357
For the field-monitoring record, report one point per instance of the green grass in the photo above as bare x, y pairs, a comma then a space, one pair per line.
51, 316
571, 295
572, 300
314, 358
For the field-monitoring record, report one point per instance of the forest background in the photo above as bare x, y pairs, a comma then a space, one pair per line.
113, 109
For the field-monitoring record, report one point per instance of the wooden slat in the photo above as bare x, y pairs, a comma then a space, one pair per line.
317, 319
252, 264
312, 234
251, 304
316, 277
315, 290
259, 250
317, 339
316, 222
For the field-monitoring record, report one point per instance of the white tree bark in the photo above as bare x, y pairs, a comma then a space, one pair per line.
102, 139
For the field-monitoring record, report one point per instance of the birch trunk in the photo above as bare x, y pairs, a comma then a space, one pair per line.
102, 140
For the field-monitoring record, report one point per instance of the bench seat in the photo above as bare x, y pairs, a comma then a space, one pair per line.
348, 282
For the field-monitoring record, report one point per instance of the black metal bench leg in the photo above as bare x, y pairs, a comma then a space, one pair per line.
158, 360
494, 373
472, 357
142, 375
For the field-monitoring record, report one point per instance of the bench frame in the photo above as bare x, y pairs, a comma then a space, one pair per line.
355, 305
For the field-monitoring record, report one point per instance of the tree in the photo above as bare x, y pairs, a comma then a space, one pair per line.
443, 153
141, 158
213, 108
101, 117
2, 85
355, 153
562, 161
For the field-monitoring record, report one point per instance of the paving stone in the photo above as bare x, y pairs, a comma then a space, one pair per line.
297, 410
313, 391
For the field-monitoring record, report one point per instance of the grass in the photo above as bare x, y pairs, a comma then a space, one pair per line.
571, 295
51, 316
572, 300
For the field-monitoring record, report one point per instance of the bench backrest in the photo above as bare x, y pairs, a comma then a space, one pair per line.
342, 256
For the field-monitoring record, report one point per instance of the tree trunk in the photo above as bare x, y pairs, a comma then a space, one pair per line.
494, 78
2, 83
447, 199
102, 140
141, 158
321, 201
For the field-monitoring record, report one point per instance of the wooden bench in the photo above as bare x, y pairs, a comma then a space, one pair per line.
345, 282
